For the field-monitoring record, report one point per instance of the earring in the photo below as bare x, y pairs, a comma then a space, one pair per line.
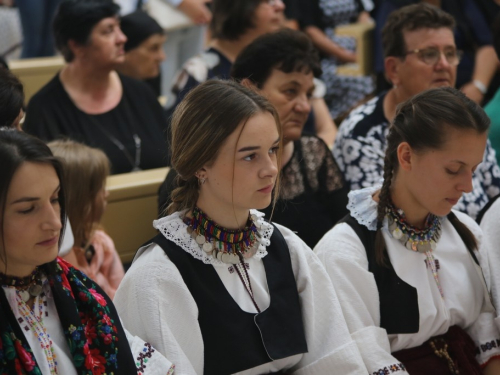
201, 181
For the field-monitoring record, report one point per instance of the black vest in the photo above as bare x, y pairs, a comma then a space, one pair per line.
235, 340
398, 300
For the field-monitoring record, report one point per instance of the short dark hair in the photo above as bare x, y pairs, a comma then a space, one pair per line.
410, 18
232, 18
11, 97
286, 50
17, 148
75, 19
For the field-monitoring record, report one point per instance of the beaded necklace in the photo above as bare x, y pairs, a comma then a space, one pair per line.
223, 244
226, 245
415, 239
28, 286
34, 322
421, 240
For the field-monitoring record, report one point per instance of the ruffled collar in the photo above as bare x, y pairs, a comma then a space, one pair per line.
364, 209
174, 229
362, 206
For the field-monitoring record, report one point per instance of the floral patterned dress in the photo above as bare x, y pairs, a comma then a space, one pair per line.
343, 92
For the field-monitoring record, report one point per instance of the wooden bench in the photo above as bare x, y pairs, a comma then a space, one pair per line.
35, 73
363, 33
132, 207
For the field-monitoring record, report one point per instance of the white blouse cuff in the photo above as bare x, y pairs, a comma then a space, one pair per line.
375, 349
345, 360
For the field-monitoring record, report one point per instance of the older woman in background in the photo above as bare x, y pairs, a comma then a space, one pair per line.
89, 101
143, 49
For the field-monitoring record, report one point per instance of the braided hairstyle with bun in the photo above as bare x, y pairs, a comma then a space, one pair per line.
423, 122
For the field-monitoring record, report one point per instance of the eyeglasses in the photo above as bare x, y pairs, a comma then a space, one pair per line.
431, 55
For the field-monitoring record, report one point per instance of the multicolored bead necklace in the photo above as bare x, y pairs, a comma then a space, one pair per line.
414, 239
223, 244
421, 240
34, 322
226, 245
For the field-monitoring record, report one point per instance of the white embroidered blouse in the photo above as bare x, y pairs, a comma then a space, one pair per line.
154, 302
466, 301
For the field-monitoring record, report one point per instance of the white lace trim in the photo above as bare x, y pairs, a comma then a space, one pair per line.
175, 230
362, 206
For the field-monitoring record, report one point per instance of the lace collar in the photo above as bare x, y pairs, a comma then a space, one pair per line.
175, 230
362, 206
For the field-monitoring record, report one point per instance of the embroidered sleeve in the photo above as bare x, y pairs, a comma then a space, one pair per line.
343, 255
170, 323
484, 331
486, 337
148, 360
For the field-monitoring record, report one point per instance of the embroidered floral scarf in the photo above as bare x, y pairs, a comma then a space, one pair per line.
95, 336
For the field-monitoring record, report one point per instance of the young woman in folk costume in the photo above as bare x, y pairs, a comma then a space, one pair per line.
407, 267
53, 318
220, 289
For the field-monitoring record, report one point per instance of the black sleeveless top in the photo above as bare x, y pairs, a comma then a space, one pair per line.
391, 288
235, 340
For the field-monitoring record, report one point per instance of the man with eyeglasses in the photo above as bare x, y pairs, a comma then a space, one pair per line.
420, 54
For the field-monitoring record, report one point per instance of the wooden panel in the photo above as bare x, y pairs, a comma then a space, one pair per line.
363, 33
132, 207
35, 73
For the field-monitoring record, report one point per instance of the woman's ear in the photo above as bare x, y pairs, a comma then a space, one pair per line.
75, 48
391, 71
201, 173
405, 156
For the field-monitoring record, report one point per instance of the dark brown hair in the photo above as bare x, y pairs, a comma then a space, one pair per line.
17, 148
75, 19
286, 50
201, 123
423, 122
232, 18
410, 18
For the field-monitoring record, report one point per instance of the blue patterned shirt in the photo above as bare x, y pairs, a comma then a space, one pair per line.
359, 150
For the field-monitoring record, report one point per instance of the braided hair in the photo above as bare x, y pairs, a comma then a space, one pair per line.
423, 122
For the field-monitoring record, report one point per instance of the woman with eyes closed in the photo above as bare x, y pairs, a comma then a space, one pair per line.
221, 290
408, 269
53, 318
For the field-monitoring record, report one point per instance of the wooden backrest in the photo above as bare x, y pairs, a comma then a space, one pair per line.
363, 33
35, 73
132, 207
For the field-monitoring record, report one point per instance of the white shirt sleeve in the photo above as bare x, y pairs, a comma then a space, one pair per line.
155, 304
344, 258
491, 246
328, 340
148, 357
